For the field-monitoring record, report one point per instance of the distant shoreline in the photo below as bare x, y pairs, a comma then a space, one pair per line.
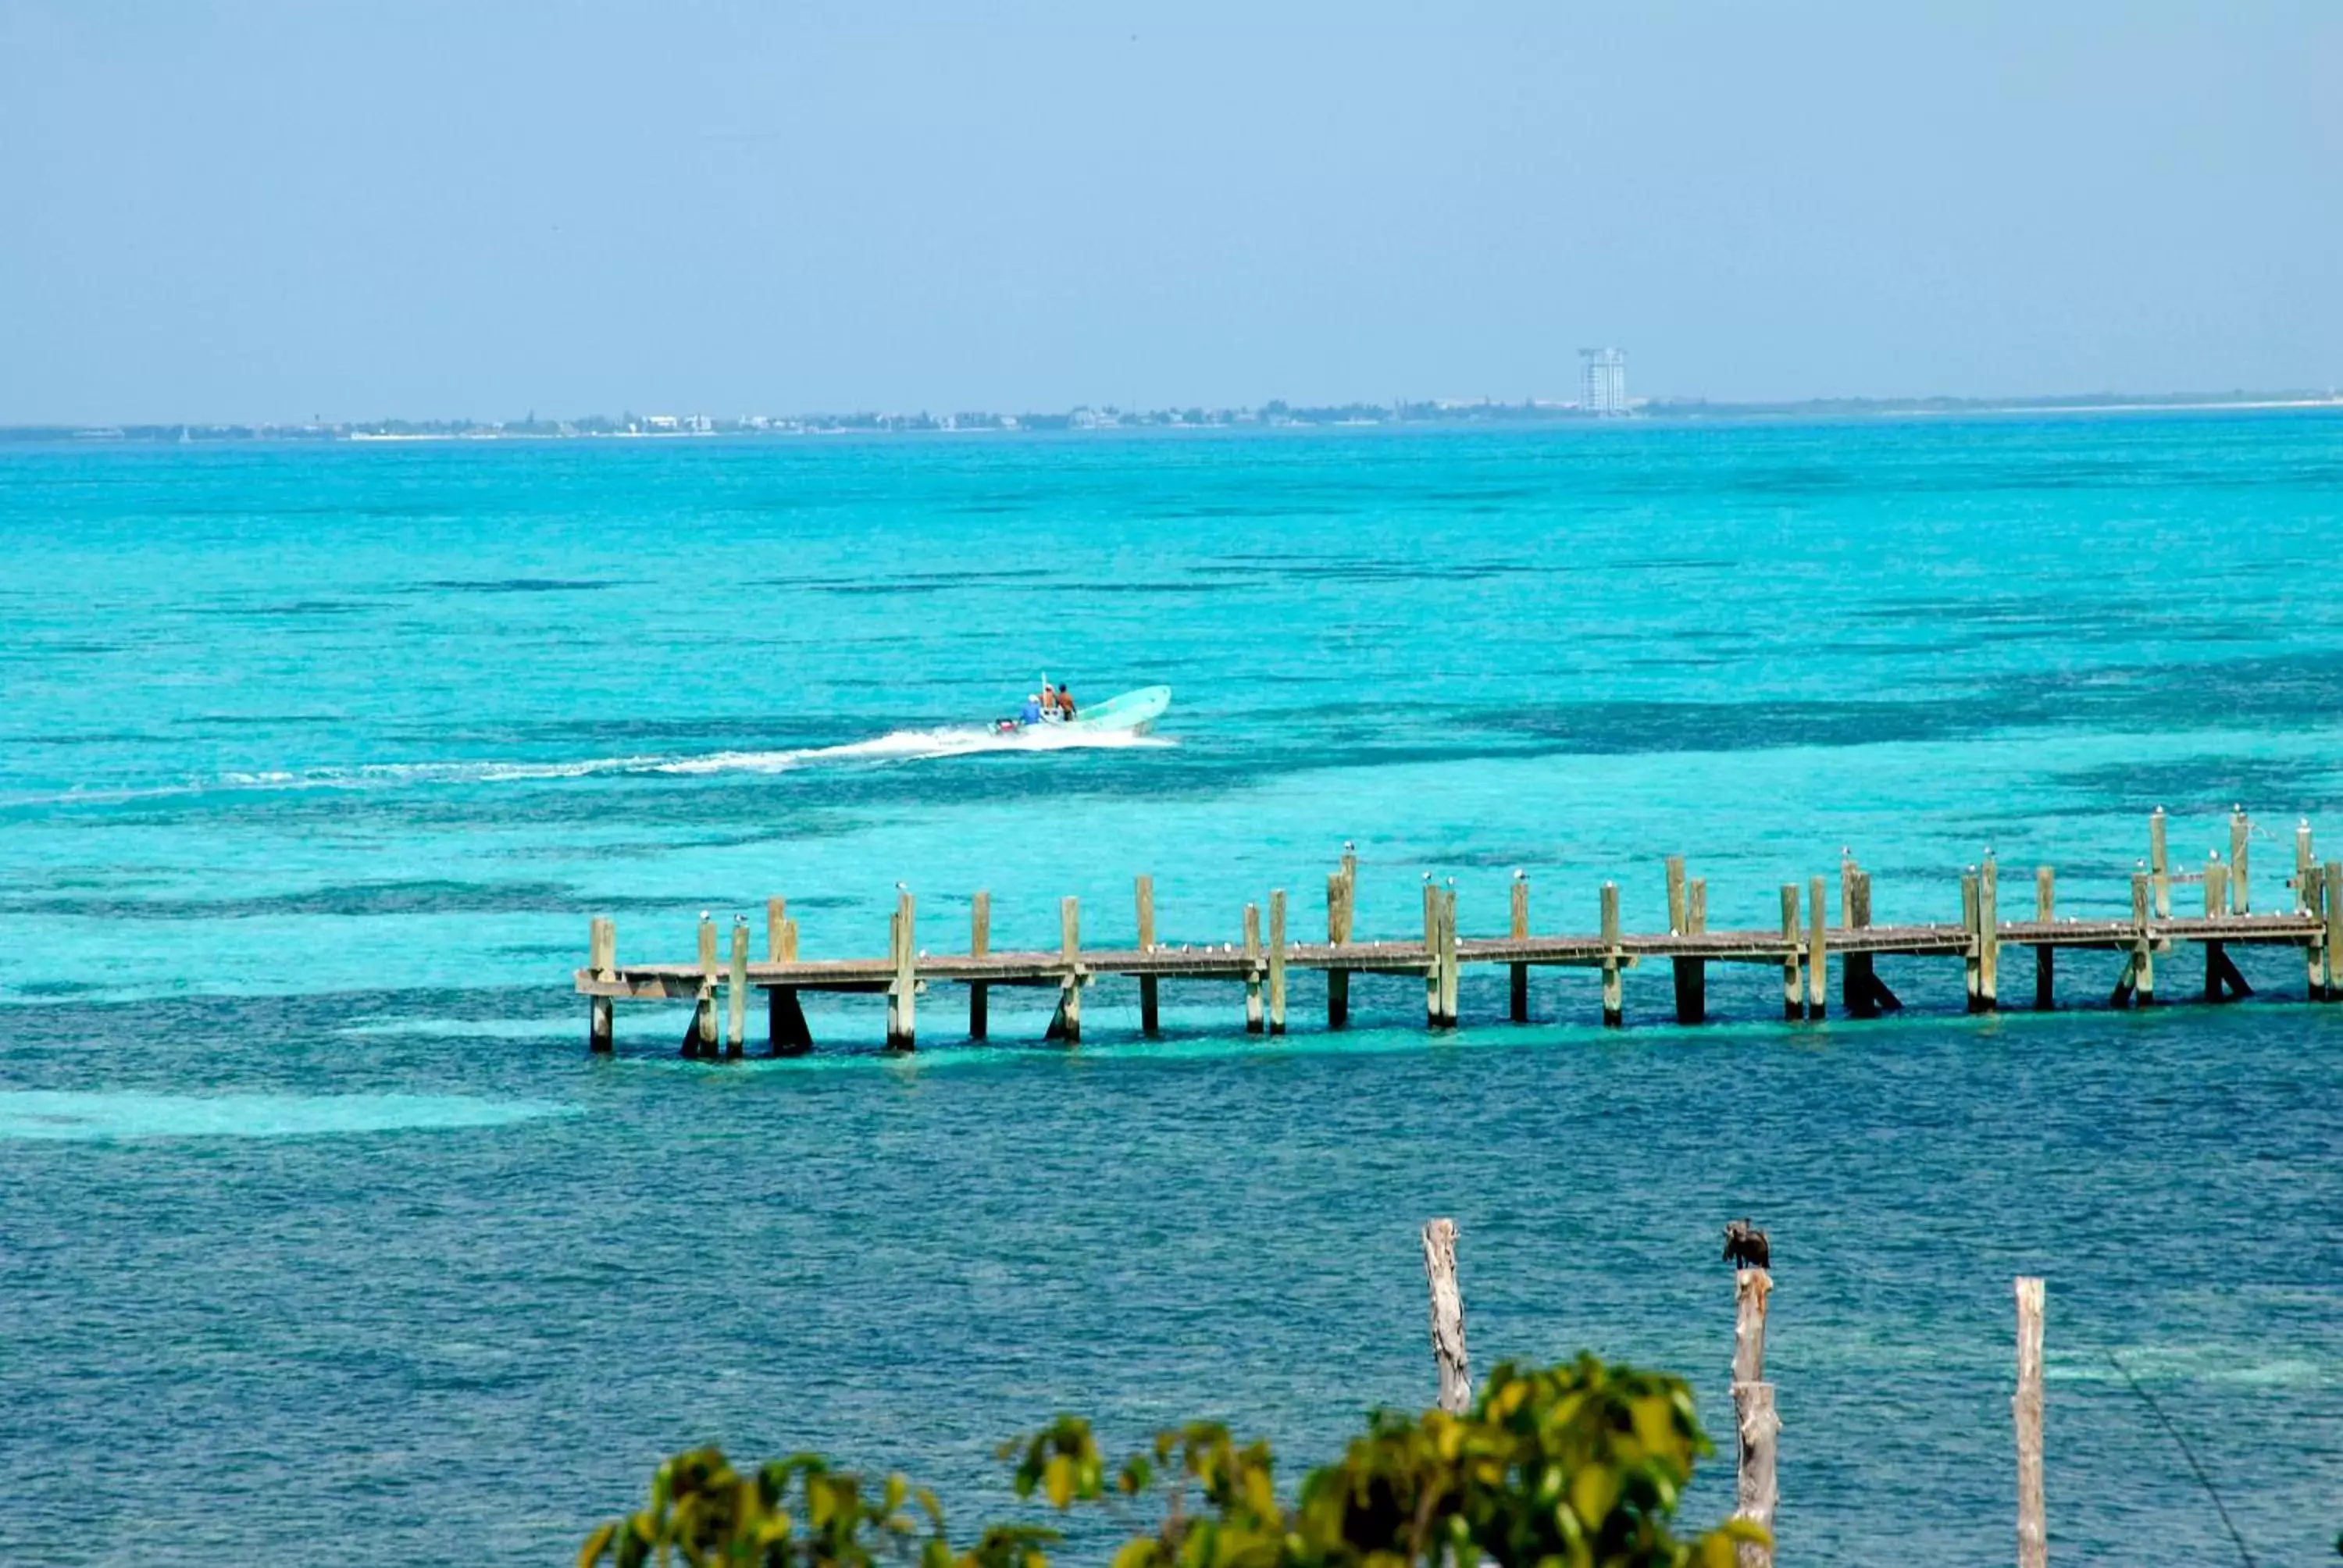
1275, 416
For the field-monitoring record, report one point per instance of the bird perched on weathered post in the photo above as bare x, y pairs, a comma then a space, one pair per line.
1744, 1246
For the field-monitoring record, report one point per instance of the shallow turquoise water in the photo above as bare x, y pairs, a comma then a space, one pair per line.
316, 762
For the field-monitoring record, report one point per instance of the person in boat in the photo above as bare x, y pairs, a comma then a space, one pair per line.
1032, 712
1065, 701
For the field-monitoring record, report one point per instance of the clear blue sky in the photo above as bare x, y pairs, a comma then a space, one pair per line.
269, 211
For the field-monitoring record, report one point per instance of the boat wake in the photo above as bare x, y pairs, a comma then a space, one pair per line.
898, 746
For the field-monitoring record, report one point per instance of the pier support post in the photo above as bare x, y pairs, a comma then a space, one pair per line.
1818, 949
2331, 881
1448, 971
2136, 986
1519, 1007
2305, 863
1277, 960
1794, 1001
1687, 973
1253, 1013
601, 961
1448, 1351
1756, 1494
777, 917
786, 1034
2025, 1408
2159, 867
736, 992
1066, 1024
1988, 934
1614, 1010
2241, 829
700, 1039
1338, 933
2314, 953
980, 945
1855, 969
1691, 974
1143, 894
902, 991
1971, 984
2046, 957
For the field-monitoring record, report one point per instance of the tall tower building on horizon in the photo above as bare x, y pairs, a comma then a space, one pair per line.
1603, 381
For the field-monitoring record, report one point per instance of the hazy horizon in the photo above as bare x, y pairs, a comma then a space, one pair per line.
259, 213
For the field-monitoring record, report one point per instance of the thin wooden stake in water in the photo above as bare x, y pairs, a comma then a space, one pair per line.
702, 1039
1448, 971
1338, 931
2026, 1405
1277, 960
2304, 864
1143, 891
1448, 1353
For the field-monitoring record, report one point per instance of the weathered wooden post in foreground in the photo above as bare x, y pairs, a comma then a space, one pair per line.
1757, 1494
1447, 1316
2026, 1405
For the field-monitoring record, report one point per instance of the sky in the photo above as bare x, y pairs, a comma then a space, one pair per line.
275, 212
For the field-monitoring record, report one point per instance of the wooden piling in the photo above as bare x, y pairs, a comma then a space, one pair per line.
2241, 829
602, 962
1143, 894
980, 944
1252, 969
1066, 1024
1989, 936
1855, 969
1686, 973
902, 991
1277, 960
1793, 1000
1691, 974
2159, 867
736, 992
1450, 973
2315, 894
1338, 932
2304, 864
1817, 948
1753, 1405
2216, 902
701, 1040
1519, 1010
2025, 1407
777, 916
1973, 953
2137, 987
2331, 879
1431, 955
2046, 957
1448, 1351
1615, 1010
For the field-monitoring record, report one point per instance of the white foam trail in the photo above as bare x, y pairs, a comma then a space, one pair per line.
898, 746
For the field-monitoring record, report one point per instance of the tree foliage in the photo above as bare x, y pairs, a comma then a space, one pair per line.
1579, 1465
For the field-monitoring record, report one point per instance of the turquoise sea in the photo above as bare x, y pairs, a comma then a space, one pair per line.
322, 1236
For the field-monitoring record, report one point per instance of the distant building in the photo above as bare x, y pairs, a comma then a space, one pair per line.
1603, 381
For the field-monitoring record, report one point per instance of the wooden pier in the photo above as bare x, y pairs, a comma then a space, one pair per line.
721, 977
